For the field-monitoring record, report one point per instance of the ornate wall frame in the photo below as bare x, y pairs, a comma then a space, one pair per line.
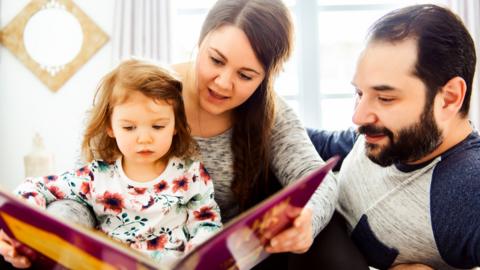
12, 37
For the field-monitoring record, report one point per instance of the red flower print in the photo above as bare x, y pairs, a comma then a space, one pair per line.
150, 203
56, 192
29, 194
180, 183
111, 201
163, 185
83, 171
204, 174
157, 243
49, 178
205, 213
136, 190
85, 188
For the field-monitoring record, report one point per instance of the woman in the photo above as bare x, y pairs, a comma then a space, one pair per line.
242, 128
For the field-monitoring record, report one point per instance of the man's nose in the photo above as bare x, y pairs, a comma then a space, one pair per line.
364, 113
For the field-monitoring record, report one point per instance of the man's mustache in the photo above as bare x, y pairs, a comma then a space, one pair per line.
375, 130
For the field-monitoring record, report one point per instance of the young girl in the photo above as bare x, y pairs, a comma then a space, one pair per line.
145, 188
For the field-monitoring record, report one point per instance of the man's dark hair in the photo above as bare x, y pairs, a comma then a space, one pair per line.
445, 48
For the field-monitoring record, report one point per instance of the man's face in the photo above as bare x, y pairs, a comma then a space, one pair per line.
391, 108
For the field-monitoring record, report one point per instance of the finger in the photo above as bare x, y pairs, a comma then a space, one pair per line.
289, 240
6, 249
19, 261
305, 218
4, 237
294, 212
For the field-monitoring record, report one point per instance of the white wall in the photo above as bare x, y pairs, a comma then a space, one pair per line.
27, 106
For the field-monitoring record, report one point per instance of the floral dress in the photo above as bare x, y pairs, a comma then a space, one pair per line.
164, 218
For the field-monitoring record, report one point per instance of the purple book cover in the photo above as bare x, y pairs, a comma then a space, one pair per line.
240, 244
62, 245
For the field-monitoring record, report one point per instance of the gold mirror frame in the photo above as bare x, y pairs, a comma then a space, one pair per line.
11, 36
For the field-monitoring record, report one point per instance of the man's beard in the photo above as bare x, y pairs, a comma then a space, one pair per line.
409, 144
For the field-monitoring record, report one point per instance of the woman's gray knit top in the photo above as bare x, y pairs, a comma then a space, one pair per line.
293, 156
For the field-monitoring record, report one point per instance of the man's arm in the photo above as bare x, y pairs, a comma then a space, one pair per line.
331, 143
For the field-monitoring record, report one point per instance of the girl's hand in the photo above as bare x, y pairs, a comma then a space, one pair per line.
414, 266
296, 239
10, 254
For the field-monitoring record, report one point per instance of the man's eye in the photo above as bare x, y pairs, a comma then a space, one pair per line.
129, 128
385, 99
358, 93
158, 127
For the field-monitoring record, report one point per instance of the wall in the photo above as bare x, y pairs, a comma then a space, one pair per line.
27, 106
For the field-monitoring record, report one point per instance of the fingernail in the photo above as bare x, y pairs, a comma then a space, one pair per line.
273, 243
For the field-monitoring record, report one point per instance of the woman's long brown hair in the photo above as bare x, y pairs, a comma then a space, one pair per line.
268, 26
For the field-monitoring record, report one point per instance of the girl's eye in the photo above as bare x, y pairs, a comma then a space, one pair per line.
157, 127
245, 77
215, 60
129, 128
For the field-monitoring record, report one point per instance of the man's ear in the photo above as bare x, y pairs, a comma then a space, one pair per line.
451, 97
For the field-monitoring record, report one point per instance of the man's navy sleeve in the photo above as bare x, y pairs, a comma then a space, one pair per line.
331, 143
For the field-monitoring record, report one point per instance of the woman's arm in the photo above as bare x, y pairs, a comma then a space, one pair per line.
294, 156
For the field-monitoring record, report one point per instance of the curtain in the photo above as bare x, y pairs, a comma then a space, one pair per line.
142, 28
469, 11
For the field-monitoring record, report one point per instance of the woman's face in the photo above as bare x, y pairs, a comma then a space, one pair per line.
227, 70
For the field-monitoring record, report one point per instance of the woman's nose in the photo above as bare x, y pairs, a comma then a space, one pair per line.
224, 80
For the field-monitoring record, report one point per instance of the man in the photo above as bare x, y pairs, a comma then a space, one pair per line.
410, 185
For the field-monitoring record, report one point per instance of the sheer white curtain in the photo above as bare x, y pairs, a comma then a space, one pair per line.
142, 28
469, 11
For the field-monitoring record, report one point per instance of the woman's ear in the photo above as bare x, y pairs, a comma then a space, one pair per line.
451, 97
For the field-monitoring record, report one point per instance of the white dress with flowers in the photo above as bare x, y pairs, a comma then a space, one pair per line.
165, 217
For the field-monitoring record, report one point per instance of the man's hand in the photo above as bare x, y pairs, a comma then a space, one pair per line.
296, 239
414, 266
10, 254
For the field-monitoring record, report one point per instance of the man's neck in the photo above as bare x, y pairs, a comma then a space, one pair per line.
452, 135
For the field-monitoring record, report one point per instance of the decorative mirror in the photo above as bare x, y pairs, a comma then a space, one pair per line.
53, 38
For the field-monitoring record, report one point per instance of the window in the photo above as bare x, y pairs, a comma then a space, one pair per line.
330, 35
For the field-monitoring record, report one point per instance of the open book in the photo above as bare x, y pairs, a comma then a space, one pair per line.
239, 245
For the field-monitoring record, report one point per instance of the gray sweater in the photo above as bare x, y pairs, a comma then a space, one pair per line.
293, 156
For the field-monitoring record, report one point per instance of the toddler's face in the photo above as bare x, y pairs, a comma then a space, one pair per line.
143, 129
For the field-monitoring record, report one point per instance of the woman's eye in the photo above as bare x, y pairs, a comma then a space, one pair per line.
129, 128
157, 127
215, 60
245, 77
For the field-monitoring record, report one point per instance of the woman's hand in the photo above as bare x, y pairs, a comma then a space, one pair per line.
296, 239
414, 266
10, 254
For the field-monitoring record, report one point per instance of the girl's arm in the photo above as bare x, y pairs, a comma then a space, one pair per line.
42, 191
203, 212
